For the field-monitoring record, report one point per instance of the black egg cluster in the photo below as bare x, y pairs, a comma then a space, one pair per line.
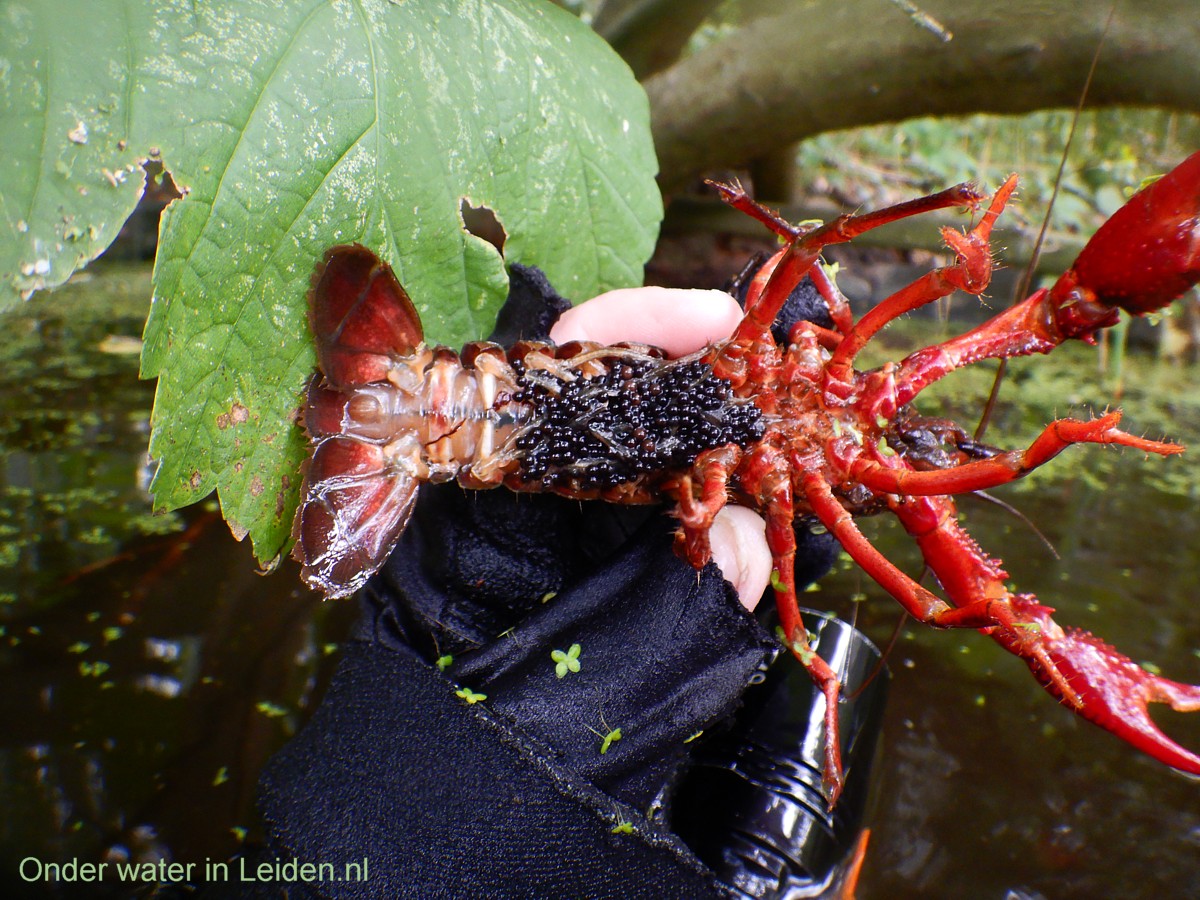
639, 417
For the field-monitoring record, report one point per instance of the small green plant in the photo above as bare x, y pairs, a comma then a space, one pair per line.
470, 696
565, 662
606, 739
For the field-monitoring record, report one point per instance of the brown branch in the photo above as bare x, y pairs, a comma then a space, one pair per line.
821, 67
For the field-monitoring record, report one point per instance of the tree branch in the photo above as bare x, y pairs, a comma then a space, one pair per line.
816, 68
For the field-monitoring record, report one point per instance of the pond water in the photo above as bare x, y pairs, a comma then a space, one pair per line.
148, 671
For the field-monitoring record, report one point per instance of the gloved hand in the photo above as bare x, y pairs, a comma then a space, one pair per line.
526, 678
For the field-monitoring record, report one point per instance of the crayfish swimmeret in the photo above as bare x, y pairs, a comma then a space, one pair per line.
789, 431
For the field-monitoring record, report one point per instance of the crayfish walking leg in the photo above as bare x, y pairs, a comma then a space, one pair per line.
775, 472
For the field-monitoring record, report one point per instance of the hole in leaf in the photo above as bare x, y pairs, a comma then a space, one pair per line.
482, 222
138, 238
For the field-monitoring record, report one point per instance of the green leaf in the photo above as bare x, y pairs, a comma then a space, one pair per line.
293, 125
67, 183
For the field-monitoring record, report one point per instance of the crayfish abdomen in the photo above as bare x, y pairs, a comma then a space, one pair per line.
581, 420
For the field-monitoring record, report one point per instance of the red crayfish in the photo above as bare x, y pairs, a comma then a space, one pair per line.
791, 431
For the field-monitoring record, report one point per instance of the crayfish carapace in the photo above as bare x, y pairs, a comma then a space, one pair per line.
790, 431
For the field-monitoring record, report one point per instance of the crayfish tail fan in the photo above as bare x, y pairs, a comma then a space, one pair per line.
360, 316
357, 504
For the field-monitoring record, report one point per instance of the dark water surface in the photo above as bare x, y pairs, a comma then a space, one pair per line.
148, 672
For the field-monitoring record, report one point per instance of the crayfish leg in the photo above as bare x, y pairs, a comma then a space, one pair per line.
835, 301
839, 306
920, 603
697, 509
983, 474
1114, 692
970, 272
1148, 252
804, 247
781, 539
1146, 255
1085, 674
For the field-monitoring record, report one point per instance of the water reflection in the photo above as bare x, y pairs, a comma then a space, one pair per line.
146, 670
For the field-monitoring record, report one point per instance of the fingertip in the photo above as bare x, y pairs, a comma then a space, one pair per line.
677, 320
738, 538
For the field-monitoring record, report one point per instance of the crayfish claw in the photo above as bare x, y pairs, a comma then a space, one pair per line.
1114, 692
